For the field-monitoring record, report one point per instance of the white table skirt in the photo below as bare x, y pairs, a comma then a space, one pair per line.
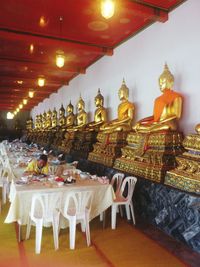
21, 196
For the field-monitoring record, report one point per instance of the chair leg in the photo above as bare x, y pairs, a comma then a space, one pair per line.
87, 228
132, 212
28, 228
113, 216
128, 212
72, 232
4, 193
56, 227
38, 237
101, 216
83, 226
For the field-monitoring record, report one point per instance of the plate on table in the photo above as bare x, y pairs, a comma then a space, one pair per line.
20, 182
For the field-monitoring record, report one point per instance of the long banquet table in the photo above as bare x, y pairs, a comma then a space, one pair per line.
21, 196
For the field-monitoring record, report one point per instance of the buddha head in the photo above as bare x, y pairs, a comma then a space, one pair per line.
49, 114
61, 111
166, 79
80, 104
54, 114
70, 108
123, 91
99, 99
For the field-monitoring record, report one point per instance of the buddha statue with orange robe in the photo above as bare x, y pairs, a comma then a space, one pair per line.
125, 113
167, 108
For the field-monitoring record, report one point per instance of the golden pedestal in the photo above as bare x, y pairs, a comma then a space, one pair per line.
58, 137
67, 142
186, 176
108, 147
83, 143
150, 155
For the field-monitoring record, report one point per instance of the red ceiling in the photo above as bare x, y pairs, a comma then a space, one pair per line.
84, 36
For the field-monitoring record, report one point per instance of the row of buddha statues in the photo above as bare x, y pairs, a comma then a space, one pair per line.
153, 148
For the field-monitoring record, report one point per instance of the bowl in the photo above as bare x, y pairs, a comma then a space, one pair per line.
24, 178
60, 183
84, 175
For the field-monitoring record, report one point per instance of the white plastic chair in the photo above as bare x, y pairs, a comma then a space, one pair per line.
116, 182
129, 185
44, 210
77, 209
5, 176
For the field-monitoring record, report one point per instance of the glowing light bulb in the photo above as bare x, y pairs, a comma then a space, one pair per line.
41, 81
60, 59
107, 8
31, 94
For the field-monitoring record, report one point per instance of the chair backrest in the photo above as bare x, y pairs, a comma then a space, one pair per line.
116, 181
129, 185
5, 174
77, 202
44, 204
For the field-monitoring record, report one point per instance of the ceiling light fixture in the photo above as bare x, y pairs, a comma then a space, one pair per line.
20, 106
25, 101
17, 109
31, 48
41, 81
10, 116
60, 56
60, 59
107, 8
31, 94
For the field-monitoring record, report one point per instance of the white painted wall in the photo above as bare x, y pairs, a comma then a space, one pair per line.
140, 61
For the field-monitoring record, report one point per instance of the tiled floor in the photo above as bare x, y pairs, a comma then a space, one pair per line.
183, 252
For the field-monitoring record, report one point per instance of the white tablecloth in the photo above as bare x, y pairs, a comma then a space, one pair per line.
21, 196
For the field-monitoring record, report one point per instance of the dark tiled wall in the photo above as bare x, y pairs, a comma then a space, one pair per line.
175, 212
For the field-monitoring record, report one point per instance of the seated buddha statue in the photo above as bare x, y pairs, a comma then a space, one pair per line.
61, 116
167, 107
81, 117
40, 122
44, 119
197, 128
70, 118
48, 119
100, 115
125, 113
54, 119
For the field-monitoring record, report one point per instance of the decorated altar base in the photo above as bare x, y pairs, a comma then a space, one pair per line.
186, 175
108, 147
150, 155
83, 144
67, 142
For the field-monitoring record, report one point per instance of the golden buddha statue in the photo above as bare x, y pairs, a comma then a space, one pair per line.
40, 122
70, 118
197, 128
81, 117
100, 115
48, 119
54, 118
125, 113
167, 107
62, 116
44, 118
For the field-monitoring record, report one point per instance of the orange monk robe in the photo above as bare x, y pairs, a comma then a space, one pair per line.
166, 99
